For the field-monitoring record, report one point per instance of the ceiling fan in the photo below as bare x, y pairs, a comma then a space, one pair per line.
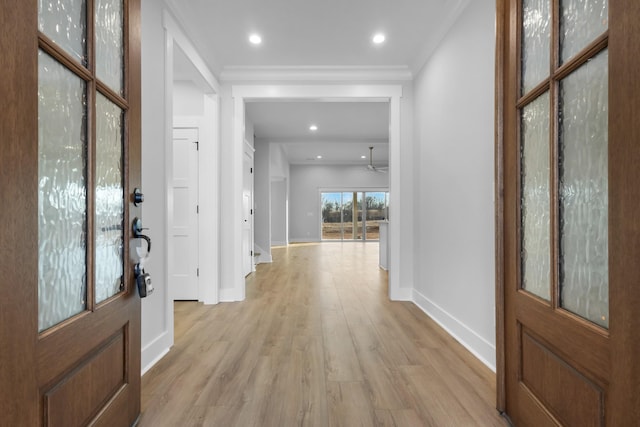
374, 168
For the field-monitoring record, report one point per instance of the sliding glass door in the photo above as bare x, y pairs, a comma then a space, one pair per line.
353, 215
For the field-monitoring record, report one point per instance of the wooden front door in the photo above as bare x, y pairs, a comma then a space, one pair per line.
69, 161
569, 156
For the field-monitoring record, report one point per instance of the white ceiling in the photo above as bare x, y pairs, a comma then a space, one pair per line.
315, 33
299, 34
345, 130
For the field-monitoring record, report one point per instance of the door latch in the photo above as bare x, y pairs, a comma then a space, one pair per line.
143, 279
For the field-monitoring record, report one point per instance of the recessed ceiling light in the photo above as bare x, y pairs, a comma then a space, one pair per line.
313, 128
318, 157
379, 38
363, 157
255, 39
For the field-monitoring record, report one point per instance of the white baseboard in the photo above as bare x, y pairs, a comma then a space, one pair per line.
401, 294
278, 243
229, 295
264, 259
477, 345
155, 351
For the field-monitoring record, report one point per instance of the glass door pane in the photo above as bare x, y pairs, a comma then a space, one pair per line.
536, 38
352, 215
376, 208
584, 197
331, 216
534, 193
62, 194
349, 220
65, 22
109, 200
110, 43
358, 215
580, 23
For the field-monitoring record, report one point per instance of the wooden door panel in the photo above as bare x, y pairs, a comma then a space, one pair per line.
554, 382
61, 405
533, 412
558, 368
566, 335
85, 370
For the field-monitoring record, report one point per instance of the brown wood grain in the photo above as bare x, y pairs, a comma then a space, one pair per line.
66, 375
604, 360
624, 217
18, 213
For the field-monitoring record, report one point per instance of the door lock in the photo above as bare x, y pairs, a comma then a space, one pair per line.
143, 280
138, 197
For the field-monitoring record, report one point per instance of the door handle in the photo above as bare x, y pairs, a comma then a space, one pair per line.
143, 279
137, 233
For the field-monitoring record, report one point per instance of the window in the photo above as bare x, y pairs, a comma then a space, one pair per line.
353, 215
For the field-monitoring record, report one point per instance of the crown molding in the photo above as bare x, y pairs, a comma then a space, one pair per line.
315, 73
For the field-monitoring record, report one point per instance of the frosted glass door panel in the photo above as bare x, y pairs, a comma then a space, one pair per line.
109, 200
62, 204
65, 22
583, 132
582, 21
109, 43
535, 213
536, 36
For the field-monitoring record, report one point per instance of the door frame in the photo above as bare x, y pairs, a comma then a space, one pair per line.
623, 399
209, 156
501, 45
231, 268
158, 345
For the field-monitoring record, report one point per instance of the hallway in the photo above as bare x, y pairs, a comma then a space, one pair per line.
316, 342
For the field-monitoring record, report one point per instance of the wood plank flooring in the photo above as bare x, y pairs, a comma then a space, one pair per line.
316, 343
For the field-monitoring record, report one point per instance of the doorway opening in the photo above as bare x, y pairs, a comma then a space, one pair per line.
231, 265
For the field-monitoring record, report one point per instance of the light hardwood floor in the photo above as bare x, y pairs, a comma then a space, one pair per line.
316, 343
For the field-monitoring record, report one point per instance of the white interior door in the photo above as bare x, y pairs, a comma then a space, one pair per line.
247, 215
184, 234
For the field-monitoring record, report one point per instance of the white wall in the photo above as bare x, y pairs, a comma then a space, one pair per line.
159, 32
157, 319
305, 185
188, 99
279, 162
230, 202
279, 213
279, 176
454, 130
262, 201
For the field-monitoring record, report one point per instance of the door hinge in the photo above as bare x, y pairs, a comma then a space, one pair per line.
197, 272
251, 253
251, 170
197, 145
251, 212
197, 209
